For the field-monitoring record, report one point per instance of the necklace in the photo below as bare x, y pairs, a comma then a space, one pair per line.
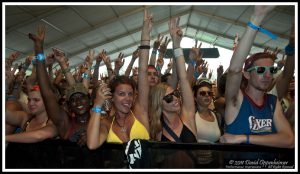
123, 128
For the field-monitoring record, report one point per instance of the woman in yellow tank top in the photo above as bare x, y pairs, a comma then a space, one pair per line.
130, 120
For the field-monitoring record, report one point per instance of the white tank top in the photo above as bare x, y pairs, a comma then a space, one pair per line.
207, 131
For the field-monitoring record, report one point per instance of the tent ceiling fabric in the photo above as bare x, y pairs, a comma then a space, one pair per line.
75, 29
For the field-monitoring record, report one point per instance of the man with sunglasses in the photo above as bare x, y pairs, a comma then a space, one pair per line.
251, 115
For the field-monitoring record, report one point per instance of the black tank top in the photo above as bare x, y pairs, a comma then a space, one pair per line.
186, 135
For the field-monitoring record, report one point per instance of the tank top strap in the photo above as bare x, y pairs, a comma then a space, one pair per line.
27, 123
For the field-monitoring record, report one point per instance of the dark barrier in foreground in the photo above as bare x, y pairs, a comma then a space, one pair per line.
59, 154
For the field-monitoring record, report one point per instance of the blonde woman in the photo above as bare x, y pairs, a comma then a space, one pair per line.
169, 119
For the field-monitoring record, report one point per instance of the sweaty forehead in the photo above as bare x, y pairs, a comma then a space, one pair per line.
264, 61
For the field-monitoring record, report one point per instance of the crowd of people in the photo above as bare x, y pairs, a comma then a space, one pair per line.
252, 102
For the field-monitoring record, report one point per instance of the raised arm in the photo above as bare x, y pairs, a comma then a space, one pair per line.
173, 80
284, 80
119, 63
194, 55
233, 94
61, 59
98, 128
135, 55
156, 45
143, 86
188, 106
57, 114
87, 73
95, 76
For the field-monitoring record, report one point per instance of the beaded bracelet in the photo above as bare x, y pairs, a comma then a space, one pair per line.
40, 57
97, 109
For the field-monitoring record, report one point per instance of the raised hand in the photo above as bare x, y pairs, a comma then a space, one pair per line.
106, 59
12, 57
220, 70
120, 61
235, 42
59, 55
49, 59
99, 57
135, 70
175, 32
281, 62
9, 74
38, 38
170, 64
160, 62
135, 54
28, 60
210, 74
90, 57
157, 42
147, 24
195, 52
163, 47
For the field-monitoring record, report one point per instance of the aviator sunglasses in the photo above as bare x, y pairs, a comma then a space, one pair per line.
262, 69
169, 98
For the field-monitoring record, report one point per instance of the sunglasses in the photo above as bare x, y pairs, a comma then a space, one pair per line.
262, 69
169, 98
204, 93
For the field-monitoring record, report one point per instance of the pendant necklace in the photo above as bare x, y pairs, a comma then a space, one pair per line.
123, 128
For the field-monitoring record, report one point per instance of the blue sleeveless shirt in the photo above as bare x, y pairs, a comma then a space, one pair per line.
254, 120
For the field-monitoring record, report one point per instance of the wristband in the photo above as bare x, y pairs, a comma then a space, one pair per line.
40, 57
144, 47
178, 52
289, 50
97, 109
271, 35
247, 139
85, 75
